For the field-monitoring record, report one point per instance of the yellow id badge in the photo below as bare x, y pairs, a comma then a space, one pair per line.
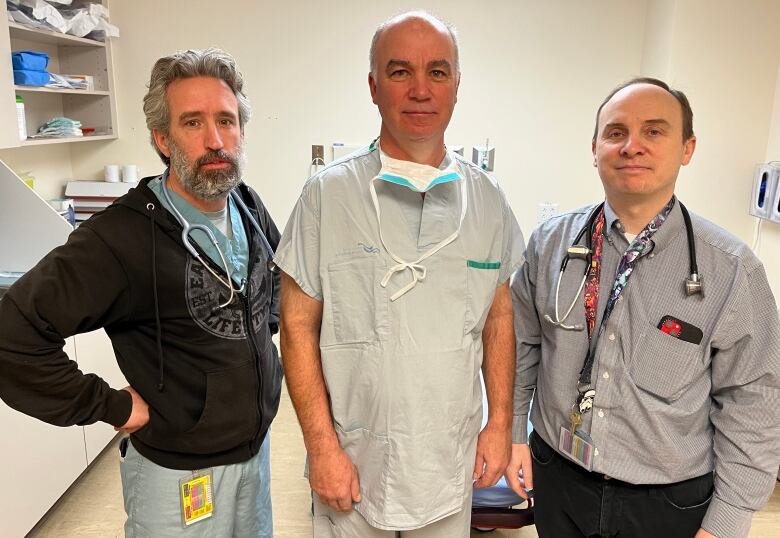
197, 502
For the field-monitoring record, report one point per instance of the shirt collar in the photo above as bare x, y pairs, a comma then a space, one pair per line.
610, 218
445, 162
672, 226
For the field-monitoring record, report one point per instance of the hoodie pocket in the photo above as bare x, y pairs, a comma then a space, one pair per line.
230, 415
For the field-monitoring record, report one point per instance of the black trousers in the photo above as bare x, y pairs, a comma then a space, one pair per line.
572, 502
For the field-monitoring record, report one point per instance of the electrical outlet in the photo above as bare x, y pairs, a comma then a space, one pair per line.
318, 152
545, 210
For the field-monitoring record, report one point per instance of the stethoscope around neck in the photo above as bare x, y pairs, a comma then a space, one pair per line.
188, 227
693, 284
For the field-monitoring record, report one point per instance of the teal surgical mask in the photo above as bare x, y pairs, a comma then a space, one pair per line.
418, 177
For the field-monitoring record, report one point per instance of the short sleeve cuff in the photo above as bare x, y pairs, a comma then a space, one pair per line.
726, 521
520, 429
514, 256
289, 269
509, 269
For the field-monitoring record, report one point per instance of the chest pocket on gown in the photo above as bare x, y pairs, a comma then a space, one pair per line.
481, 285
358, 305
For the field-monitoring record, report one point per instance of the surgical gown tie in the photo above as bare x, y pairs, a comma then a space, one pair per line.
417, 269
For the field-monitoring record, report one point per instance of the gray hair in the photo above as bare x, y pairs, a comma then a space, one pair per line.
211, 62
418, 14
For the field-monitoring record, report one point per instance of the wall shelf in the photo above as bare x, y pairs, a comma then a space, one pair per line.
95, 108
44, 141
19, 31
43, 89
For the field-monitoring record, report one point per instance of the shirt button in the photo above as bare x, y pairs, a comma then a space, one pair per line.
601, 413
596, 452
605, 375
612, 337
651, 255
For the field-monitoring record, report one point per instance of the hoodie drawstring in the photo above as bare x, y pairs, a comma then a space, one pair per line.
161, 385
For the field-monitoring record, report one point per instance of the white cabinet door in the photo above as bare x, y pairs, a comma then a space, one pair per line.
29, 227
39, 462
96, 356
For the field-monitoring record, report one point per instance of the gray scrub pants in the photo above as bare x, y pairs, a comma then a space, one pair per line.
242, 499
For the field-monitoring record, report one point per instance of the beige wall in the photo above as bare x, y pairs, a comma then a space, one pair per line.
533, 74
725, 59
769, 249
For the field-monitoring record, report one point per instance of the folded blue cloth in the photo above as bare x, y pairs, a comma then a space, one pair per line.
30, 60
23, 77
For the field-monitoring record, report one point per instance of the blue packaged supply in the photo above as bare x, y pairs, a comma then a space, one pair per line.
30, 60
23, 77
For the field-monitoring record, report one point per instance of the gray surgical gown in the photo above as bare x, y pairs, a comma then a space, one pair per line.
402, 376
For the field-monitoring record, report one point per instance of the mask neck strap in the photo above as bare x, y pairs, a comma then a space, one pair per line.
417, 269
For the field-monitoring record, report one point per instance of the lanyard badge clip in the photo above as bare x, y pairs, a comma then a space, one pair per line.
583, 404
578, 446
585, 400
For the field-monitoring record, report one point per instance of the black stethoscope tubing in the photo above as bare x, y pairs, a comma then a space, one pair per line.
693, 284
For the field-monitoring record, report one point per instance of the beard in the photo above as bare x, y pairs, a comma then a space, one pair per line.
207, 184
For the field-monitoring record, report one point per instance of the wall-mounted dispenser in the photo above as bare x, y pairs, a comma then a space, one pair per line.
763, 200
774, 208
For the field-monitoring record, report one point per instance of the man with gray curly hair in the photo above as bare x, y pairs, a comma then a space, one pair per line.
206, 183
178, 273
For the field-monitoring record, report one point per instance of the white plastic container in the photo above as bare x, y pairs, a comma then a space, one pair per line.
130, 173
20, 118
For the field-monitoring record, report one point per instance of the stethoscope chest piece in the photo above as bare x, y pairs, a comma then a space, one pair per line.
578, 252
693, 285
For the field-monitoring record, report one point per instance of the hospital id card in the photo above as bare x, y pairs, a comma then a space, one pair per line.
578, 446
197, 501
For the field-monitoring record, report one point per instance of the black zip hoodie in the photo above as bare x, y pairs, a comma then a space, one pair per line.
210, 375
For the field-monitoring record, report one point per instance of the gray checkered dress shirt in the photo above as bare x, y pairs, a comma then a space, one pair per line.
665, 410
